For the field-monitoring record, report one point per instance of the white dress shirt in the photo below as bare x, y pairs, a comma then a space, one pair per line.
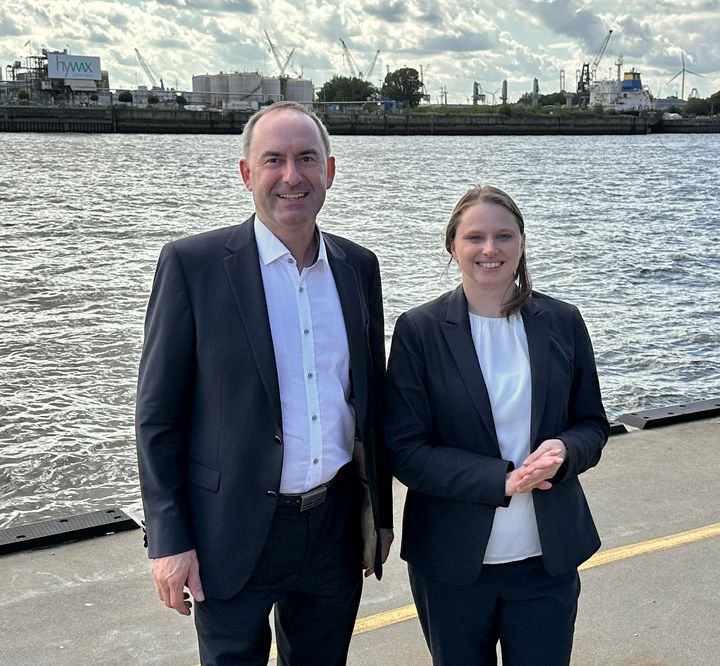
313, 363
502, 351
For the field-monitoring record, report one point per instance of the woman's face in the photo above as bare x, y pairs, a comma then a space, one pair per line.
488, 246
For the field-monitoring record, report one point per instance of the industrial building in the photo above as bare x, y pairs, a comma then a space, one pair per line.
248, 90
56, 77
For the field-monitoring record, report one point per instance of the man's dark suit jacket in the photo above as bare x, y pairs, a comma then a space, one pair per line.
209, 427
443, 446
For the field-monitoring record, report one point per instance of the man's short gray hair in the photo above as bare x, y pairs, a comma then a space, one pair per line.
282, 106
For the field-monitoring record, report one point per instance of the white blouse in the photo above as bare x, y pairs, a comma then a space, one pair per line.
502, 350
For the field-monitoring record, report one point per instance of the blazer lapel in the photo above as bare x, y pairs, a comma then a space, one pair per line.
346, 282
243, 271
456, 330
537, 330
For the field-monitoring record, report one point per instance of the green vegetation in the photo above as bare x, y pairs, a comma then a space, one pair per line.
125, 96
22, 95
403, 85
181, 100
702, 107
153, 99
553, 99
346, 89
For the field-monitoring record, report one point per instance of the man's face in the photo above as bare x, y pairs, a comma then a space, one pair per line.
287, 171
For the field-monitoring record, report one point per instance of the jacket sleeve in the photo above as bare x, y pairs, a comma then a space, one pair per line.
377, 351
588, 427
163, 405
418, 458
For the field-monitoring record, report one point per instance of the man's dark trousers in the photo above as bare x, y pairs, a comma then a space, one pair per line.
310, 568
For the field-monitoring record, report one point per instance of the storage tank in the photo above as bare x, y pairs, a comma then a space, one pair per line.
244, 86
201, 89
299, 90
271, 89
218, 89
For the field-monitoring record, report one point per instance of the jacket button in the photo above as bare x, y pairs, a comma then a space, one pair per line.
271, 493
278, 439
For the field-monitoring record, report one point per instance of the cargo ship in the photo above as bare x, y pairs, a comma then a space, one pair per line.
623, 95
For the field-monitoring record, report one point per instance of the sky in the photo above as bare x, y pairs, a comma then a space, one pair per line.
455, 42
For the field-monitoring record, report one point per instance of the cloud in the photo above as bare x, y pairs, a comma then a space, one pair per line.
229, 6
392, 12
568, 17
459, 42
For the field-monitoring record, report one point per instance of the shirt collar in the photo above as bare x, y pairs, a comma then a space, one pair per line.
271, 248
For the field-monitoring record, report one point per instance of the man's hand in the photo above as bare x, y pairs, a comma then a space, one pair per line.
386, 539
172, 574
541, 465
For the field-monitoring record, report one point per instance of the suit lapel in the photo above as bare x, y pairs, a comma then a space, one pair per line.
456, 330
346, 282
537, 330
243, 271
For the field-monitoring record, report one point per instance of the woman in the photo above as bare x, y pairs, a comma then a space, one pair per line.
493, 411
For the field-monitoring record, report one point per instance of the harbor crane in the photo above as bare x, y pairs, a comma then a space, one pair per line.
589, 71
282, 66
354, 69
149, 73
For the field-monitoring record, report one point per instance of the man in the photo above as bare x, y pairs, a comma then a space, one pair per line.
260, 381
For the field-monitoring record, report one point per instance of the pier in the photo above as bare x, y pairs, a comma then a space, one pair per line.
649, 596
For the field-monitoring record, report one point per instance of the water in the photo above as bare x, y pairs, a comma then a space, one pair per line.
625, 227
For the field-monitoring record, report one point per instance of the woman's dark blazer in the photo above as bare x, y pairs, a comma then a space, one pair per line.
443, 446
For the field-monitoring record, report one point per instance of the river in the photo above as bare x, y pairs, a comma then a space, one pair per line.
627, 228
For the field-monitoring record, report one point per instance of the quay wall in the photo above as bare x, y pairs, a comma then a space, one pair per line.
120, 119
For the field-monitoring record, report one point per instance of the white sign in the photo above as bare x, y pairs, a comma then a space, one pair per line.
63, 66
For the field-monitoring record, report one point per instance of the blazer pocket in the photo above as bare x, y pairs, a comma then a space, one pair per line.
203, 476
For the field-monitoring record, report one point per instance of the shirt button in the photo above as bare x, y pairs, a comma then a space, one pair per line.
307, 331
310, 375
290, 261
314, 417
301, 290
316, 461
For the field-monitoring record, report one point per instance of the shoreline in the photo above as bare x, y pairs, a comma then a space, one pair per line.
129, 120
104, 521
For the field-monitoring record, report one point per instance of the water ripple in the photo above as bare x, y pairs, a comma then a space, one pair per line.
625, 227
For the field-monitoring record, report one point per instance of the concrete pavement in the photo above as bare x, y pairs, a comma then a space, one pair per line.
93, 602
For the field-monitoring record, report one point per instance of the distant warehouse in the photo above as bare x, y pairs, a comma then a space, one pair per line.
248, 90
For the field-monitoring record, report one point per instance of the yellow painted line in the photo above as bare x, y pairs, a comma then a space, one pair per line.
651, 546
373, 622
404, 613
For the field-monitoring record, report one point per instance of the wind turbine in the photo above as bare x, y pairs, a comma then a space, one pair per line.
682, 71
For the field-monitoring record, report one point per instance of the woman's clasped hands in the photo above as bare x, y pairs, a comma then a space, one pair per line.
540, 466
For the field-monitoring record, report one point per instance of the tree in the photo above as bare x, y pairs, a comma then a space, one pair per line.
346, 89
125, 96
696, 106
153, 99
22, 95
403, 85
181, 100
715, 103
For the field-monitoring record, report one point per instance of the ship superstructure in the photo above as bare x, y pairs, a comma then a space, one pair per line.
623, 94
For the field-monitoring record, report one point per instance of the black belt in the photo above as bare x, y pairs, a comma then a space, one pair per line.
307, 500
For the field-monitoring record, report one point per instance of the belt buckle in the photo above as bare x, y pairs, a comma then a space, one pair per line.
313, 498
